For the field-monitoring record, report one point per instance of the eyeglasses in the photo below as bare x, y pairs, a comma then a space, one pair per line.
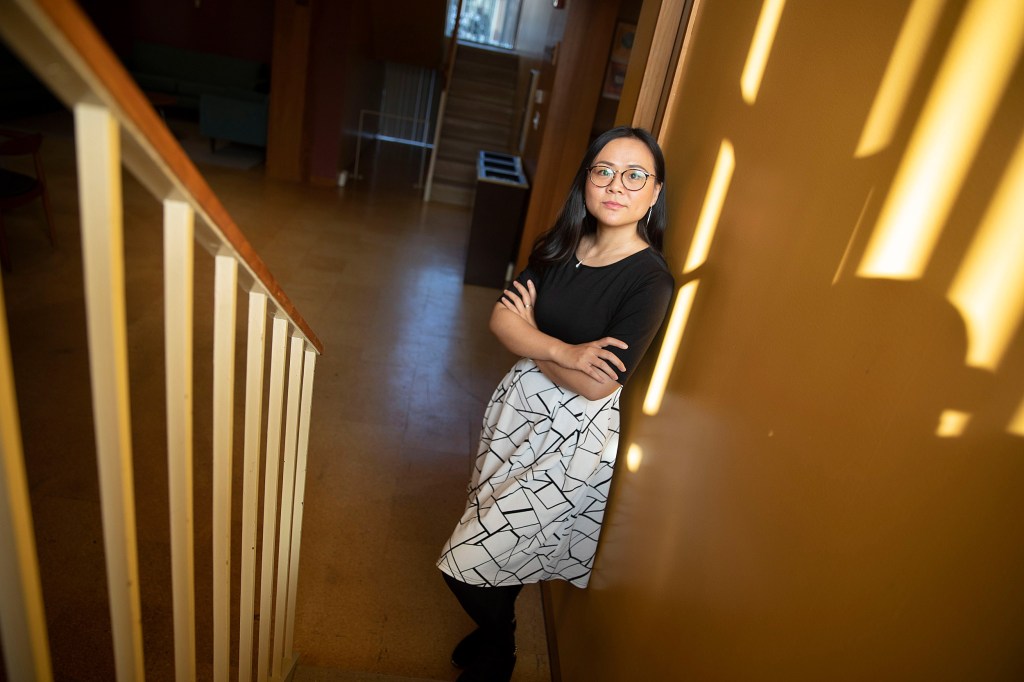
633, 179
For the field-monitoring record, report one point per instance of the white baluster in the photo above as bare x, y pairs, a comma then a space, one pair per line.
225, 304
300, 497
273, 461
22, 621
284, 546
250, 482
179, 264
97, 146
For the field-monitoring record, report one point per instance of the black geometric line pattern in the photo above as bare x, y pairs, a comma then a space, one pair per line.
540, 485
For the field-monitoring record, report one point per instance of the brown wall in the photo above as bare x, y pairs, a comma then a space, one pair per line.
234, 28
535, 21
794, 515
288, 130
409, 32
343, 79
568, 112
363, 80
541, 30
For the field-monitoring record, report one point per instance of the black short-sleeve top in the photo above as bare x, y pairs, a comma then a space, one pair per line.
626, 300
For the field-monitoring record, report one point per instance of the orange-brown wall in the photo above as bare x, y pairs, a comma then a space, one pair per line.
794, 515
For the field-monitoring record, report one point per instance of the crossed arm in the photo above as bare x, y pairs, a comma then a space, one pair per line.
586, 368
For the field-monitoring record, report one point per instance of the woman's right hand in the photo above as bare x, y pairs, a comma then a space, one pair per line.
522, 301
592, 358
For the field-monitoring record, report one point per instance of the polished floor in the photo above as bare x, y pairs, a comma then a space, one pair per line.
399, 394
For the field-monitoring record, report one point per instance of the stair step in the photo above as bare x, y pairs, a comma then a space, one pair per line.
464, 107
466, 150
469, 129
454, 170
469, 53
457, 194
498, 93
485, 72
306, 673
470, 146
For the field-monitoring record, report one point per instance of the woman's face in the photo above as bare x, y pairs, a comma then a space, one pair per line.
615, 205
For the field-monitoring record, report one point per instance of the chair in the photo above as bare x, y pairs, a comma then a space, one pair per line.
17, 189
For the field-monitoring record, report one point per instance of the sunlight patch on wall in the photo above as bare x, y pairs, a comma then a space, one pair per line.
952, 423
670, 347
904, 64
760, 48
1017, 423
700, 245
970, 83
707, 223
634, 456
989, 288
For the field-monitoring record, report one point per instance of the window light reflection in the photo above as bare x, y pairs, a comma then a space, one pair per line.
968, 88
853, 237
670, 347
952, 423
989, 288
633, 457
760, 48
904, 64
707, 223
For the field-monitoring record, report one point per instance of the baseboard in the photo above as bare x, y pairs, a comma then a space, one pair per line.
549, 629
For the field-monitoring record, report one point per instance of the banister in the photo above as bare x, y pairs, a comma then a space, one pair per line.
116, 126
75, 62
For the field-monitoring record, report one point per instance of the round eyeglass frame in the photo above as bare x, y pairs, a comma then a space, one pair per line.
622, 178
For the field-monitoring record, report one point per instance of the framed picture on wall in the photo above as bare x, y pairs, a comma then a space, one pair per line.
622, 45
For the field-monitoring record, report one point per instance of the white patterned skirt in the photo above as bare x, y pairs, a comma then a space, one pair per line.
540, 486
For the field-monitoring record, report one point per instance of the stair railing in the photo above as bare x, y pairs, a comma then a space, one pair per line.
442, 102
114, 125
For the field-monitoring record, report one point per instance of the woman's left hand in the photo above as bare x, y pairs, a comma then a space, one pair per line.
521, 301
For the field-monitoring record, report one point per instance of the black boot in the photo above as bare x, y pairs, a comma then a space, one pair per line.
488, 654
495, 659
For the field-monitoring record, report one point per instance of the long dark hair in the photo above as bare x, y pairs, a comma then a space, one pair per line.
558, 244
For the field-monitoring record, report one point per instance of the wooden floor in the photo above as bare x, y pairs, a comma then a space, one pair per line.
400, 390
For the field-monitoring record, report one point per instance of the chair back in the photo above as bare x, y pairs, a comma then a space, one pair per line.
19, 144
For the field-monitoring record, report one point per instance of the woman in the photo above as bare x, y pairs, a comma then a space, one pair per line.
581, 315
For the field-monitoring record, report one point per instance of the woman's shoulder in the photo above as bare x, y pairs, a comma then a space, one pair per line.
651, 267
653, 259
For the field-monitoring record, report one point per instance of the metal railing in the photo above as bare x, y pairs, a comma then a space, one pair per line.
115, 125
423, 144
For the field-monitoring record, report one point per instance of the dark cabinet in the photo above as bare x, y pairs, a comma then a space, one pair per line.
499, 209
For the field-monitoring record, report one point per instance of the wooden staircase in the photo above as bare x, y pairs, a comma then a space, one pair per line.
481, 114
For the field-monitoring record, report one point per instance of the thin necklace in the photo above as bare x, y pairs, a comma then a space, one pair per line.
579, 261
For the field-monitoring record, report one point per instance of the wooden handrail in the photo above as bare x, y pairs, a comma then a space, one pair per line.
449, 56
95, 72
